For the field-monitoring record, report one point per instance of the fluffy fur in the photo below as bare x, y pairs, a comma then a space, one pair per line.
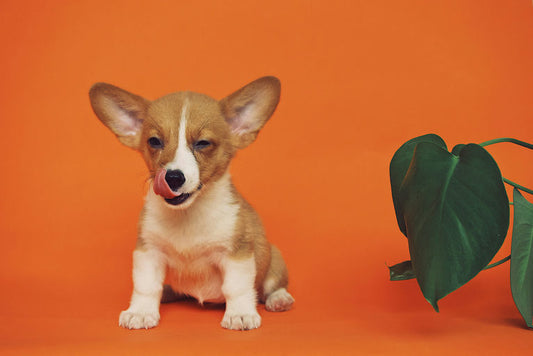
208, 238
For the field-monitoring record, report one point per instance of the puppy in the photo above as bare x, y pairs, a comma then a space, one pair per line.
195, 229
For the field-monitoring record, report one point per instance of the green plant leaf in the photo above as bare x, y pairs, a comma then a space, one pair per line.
398, 169
522, 257
401, 271
456, 214
457, 149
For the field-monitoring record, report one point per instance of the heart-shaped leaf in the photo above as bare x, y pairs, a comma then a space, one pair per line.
522, 257
398, 169
456, 214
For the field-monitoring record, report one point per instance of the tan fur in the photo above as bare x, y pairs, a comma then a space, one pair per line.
250, 239
196, 266
267, 87
105, 96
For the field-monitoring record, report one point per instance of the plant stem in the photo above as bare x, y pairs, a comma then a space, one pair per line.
518, 186
516, 142
507, 139
498, 263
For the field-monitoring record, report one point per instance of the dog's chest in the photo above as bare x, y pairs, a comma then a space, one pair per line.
194, 243
197, 275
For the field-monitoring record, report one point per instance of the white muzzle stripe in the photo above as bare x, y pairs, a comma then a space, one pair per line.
184, 159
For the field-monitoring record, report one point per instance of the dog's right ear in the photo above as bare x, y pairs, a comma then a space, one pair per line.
122, 112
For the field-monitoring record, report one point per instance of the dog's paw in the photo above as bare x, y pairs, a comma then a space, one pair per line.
241, 321
138, 320
279, 301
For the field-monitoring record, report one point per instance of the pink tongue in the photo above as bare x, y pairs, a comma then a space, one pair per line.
161, 186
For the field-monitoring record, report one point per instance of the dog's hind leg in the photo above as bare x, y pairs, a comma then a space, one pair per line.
276, 297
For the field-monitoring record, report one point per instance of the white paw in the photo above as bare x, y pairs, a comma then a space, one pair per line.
138, 320
241, 322
279, 301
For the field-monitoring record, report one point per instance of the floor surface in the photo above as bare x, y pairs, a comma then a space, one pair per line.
359, 78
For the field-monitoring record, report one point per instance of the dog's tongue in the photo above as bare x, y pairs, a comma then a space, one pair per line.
161, 186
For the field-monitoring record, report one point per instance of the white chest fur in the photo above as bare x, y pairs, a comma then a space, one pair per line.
195, 240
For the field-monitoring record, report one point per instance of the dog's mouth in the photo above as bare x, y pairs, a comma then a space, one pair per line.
162, 188
183, 197
179, 199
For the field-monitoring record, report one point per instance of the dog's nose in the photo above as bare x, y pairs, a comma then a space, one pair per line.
175, 179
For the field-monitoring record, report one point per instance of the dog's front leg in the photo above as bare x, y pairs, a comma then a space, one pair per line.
148, 274
240, 294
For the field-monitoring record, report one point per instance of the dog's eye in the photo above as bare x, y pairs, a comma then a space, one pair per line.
155, 142
201, 144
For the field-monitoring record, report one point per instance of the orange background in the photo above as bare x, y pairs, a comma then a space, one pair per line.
358, 79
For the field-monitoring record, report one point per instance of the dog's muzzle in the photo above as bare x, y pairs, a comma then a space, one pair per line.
166, 184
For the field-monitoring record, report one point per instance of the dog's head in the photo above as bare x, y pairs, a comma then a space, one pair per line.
187, 139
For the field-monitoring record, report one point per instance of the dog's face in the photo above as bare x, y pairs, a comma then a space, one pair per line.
187, 139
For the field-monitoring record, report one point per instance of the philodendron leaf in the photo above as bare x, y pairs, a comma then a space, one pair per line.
522, 257
402, 271
398, 169
456, 214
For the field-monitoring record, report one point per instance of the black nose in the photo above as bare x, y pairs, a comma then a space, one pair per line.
175, 179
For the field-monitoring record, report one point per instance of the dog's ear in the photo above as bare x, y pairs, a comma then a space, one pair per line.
122, 112
248, 109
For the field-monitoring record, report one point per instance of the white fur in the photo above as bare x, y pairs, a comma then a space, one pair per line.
194, 240
192, 249
279, 300
240, 294
184, 159
148, 275
210, 221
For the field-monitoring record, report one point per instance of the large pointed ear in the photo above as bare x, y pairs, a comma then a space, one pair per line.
248, 109
122, 112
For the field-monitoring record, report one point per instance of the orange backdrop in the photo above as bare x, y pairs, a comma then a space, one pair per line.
358, 79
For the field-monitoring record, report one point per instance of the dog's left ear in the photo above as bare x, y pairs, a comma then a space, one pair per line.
249, 108
121, 111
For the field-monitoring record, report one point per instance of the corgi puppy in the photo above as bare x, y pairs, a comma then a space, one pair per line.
195, 230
